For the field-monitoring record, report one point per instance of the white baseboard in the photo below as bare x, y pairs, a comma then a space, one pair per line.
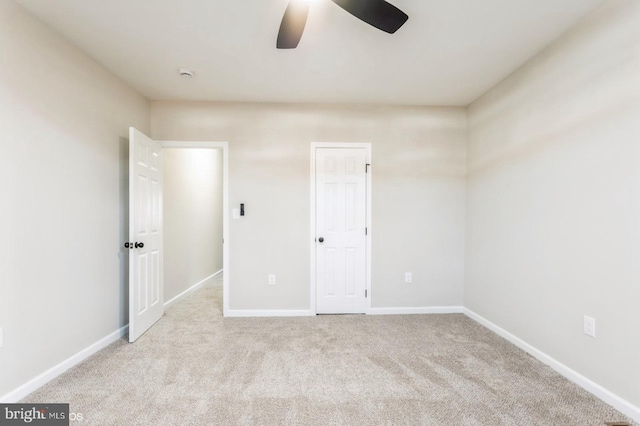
417, 310
42, 379
250, 313
607, 396
191, 289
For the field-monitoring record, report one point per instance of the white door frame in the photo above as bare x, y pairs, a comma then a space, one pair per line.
312, 236
224, 146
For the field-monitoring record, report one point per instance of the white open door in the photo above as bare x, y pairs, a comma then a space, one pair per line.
341, 195
146, 300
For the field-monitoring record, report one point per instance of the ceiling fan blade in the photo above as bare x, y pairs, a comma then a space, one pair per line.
378, 13
292, 26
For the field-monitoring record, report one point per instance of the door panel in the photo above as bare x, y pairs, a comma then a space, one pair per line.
145, 232
340, 222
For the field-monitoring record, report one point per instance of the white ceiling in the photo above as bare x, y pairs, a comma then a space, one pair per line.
448, 53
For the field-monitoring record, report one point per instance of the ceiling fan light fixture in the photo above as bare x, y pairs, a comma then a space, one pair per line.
377, 13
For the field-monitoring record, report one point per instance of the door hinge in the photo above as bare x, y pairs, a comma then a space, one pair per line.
366, 231
366, 168
365, 293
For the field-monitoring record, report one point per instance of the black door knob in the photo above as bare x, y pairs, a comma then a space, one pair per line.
321, 240
127, 245
139, 245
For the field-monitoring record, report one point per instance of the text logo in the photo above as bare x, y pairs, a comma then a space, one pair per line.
34, 414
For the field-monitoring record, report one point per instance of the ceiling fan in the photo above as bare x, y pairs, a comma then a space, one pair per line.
378, 13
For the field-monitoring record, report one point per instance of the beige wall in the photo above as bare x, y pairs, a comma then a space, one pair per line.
553, 206
63, 124
419, 162
192, 200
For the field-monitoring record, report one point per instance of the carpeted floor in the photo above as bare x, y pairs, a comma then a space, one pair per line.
196, 368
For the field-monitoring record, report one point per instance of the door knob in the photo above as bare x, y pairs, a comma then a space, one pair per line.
131, 246
321, 240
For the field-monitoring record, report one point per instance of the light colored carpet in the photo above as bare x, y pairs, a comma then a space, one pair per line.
196, 368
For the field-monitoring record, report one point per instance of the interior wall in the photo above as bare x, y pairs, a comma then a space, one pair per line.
64, 122
419, 161
192, 203
553, 206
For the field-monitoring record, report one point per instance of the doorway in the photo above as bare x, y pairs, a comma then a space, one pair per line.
146, 228
192, 219
341, 228
222, 149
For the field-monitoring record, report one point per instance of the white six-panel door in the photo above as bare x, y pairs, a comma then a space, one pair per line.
145, 234
341, 199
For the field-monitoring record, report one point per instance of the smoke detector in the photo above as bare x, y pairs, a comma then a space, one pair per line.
186, 73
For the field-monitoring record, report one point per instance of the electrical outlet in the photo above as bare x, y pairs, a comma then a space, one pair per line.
407, 277
589, 326
272, 279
